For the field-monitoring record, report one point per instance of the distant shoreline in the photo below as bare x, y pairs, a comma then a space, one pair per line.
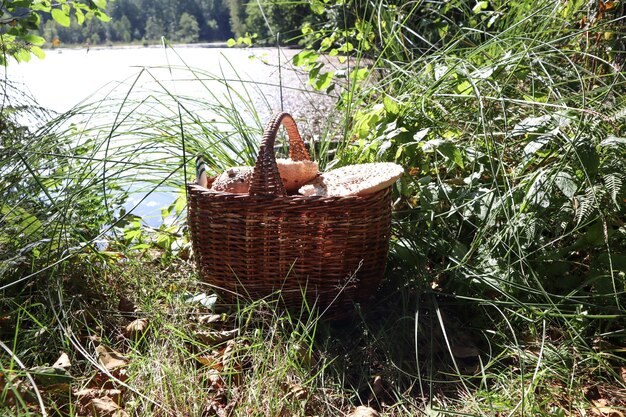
136, 45
215, 45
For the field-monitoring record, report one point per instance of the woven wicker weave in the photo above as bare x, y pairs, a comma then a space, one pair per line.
333, 249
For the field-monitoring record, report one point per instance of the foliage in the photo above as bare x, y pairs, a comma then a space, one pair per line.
143, 21
505, 289
21, 20
272, 18
516, 181
188, 31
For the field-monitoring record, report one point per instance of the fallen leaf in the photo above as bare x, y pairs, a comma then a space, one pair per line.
215, 337
622, 372
297, 391
205, 300
63, 362
109, 380
110, 358
363, 411
210, 318
84, 396
106, 407
48, 375
601, 408
214, 381
210, 361
136, 328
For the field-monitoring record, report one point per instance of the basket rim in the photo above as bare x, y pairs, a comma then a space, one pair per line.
198, 189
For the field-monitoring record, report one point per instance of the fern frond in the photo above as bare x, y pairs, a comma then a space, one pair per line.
586, 204
613, 182
618, 114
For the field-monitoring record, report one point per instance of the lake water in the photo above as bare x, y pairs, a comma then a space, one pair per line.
68, 77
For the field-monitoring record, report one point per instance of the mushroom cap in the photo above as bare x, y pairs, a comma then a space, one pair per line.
234, 180
296, 173
357, 180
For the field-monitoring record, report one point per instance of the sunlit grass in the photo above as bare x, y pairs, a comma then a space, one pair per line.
505, 286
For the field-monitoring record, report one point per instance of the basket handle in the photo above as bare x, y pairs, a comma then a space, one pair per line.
266, 180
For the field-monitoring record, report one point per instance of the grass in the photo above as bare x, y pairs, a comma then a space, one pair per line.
505, 284
404, 355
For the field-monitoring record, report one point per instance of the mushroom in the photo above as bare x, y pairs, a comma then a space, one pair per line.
234, 180
296, 173
357, 180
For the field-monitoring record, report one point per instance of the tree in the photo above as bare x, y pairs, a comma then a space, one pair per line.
20, 20
123, 29
154, 28
270, 17
237, 10
188, 29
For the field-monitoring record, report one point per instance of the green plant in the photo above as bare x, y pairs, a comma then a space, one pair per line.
20, 20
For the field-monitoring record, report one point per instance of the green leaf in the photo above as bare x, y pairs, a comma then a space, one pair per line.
480, 6
231, 42
317, 7
43, 6
390, 105
565, 182
38, 52
307, 29
418, 136
60, 17
101, 4
305, 58
447, 149
33, 39
22, 55
464, 88
323, 80
80, 16
346, 47
102, 16
360, 74
532, 125
180, 204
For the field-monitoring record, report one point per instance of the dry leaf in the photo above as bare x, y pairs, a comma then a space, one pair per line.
210, 318
63, 362
297, 391
106, 407
109, 358
211, 361
84, 396
136, 328
363, 411
622, 372
601, 408
214, 337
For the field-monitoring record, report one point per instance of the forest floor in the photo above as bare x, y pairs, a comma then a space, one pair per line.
143, 336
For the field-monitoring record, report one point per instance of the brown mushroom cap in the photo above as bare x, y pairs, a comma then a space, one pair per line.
296, 173
234, 180
358, 180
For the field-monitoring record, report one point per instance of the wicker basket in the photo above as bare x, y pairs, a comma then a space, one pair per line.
331, 250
